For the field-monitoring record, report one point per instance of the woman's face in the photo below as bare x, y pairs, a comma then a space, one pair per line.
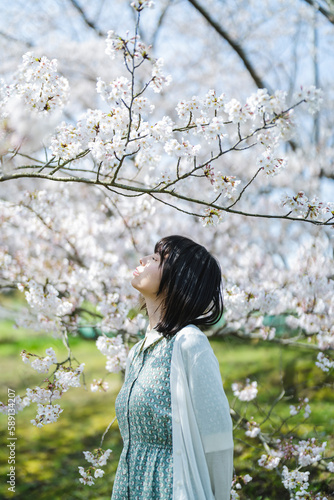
147, 276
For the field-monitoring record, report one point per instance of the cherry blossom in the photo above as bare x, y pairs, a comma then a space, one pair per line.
247, 392
46, 414
270, 163
253, 429
142, 4
295, 410
39, 364
99, 385
269, 462
39, 84
98, 459
324, 363
237, 483
115, 351
312, 96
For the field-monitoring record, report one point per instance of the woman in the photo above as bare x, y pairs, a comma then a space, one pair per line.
172, 410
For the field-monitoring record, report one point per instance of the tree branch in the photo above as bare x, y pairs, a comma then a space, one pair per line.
326, 13
235, 46
163, 192
89, 23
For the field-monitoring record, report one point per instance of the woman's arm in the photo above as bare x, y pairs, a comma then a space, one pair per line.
212, 413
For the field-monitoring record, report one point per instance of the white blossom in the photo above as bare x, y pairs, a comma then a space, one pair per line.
269, 462
270, 163
313, 97
330, 466
114, 43
46, 414
236, 112
18, 405
159, 80
324, 363
99, 385
98, 473
295, 479
67, 377
41, 365
115, 351
183, 148
226, 185
142, 4
309, 452
97, 459
39, 84
163, 129
253, 429
247, 392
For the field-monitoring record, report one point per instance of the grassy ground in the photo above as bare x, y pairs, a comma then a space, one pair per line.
47, 459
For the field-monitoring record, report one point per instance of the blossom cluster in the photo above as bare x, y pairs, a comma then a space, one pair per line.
45, 299
226, 185
270, 163
30, 104
68, 377
64, 378
40, 364
270, 461
237, 483
18, 405
115, 350
297, 483
324, 363
295, 410
247, 392
46, 414
309, 452
312, 96
301, 206
98, 459
39, 84
295, 479
253, 429
99, 385
142, 4
212, 216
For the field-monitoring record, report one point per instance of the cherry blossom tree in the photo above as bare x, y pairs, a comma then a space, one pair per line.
226, 165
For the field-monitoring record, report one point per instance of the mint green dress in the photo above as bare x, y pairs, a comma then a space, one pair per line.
144, 414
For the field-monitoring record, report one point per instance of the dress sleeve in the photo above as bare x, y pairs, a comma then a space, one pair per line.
220, 465
213, 418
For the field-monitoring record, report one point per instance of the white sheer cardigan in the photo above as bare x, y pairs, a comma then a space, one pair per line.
201, 422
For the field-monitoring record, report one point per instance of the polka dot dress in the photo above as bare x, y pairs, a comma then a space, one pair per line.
143, 410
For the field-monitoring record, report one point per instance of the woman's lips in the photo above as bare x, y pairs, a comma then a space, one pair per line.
138, 270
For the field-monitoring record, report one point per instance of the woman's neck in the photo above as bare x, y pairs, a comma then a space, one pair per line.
153, 307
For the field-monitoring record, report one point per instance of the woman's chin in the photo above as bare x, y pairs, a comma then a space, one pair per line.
134, 284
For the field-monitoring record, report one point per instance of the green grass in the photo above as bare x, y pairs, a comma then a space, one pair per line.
48, 458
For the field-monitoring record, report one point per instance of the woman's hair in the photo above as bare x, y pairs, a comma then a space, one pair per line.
191, 285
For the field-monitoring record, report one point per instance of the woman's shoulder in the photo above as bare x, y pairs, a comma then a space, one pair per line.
191, 341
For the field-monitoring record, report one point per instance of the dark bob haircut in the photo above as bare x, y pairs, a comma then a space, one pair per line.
191, 285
